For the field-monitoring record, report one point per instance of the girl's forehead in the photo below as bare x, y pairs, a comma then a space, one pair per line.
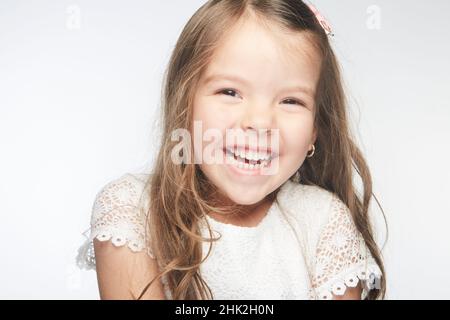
254, 49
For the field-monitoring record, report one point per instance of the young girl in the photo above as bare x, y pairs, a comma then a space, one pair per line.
225, 230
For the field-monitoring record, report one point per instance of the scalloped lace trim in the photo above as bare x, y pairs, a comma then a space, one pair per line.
369, 276
86, 256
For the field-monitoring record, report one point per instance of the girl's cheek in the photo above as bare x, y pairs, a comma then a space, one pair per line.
213, 114
297, 134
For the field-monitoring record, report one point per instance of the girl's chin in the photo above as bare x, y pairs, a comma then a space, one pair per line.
248, 200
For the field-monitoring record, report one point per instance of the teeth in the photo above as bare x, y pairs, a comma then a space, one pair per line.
253, 156
247, 166
250, 155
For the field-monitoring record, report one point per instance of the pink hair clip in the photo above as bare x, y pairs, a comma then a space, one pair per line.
323, 22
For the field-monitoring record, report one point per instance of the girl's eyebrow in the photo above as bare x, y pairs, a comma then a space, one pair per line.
222, 76
305, 90
230, 77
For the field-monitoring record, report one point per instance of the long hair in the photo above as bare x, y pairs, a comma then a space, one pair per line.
181, 195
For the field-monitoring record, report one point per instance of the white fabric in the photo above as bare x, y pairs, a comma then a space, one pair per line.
306, 247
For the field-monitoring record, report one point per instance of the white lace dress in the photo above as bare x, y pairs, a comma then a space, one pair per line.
306, 247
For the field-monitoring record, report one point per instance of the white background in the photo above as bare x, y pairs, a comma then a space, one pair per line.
80, 87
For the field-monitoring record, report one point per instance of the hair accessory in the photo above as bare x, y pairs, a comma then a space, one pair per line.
323, 22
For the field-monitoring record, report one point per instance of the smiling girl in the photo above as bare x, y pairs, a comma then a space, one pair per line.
225, 230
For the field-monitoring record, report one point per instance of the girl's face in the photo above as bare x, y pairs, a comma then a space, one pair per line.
258, 79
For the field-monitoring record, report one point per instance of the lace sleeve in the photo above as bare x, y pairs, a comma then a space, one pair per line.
342, 257
116, 216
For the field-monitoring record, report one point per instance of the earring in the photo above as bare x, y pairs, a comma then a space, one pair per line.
312, 153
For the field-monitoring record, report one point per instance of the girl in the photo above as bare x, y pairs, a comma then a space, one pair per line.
225, 230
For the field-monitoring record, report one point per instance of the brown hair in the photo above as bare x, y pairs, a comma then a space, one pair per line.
181, 195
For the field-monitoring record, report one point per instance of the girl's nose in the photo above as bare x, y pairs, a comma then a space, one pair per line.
257, 117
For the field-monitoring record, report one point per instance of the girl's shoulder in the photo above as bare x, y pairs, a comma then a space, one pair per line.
308, 201
337, 255
125, 192
118, 215
312, 209
123, 189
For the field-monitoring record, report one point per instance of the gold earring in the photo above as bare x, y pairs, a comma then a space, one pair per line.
312, 153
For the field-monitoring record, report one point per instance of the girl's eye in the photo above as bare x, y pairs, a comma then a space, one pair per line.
233, 93
294, 102
229, 92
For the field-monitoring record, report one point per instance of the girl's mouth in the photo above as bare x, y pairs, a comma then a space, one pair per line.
247, 160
